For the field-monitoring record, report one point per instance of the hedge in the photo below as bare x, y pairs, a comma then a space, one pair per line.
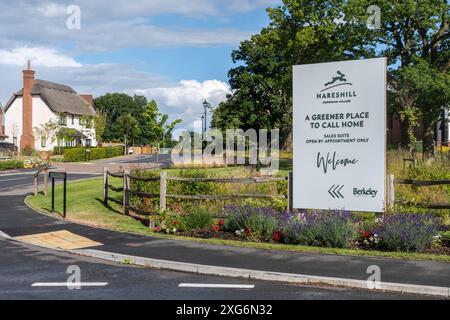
79, 154
58, 151
10, 164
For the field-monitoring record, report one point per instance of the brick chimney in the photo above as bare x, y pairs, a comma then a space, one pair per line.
88, 98
27, 138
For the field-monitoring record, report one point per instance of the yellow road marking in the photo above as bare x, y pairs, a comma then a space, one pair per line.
59, 240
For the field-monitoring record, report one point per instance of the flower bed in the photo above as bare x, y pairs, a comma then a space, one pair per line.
332, 228
34, 163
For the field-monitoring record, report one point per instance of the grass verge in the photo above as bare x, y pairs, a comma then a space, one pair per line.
85, 206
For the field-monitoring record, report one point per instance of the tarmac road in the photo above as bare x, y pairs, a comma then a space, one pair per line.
22, 265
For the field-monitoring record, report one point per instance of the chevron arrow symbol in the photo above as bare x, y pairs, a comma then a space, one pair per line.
329, 191
335, 191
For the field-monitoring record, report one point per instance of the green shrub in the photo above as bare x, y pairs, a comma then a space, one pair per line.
170, 222
333, 228
408, 231
414, 199
59, 151
200, 218
74, 155
192, 188
27, 151
208, 188
79, 154
11, 164
254, 223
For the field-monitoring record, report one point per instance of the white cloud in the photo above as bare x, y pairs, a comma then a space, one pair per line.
116, 35
51, 10
96, 79
40, 56
181, 100
249, 5
148, 8
114, 24
184, 100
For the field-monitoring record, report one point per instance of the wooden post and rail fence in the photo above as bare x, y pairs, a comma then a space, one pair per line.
40, 170
163, 195
391, 182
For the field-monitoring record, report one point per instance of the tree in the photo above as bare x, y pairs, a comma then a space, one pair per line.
100, 122
127, 128
309, 31
115, 109
150, 123
167, 139
48, 130
115, 105
410, 30
300, 31
430, 91
154, 126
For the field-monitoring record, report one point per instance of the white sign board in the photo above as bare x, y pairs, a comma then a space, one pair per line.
339, 128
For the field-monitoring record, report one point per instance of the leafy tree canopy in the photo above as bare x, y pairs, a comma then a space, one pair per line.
132, 119
309, 31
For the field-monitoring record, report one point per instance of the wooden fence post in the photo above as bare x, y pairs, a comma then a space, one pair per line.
36, 181
289, 192
391, 191
162, 191
46, 182
126, 182
105, 186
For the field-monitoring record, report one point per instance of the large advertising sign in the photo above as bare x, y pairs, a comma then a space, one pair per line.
339, 128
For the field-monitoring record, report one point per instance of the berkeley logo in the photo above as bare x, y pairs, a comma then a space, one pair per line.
365, 192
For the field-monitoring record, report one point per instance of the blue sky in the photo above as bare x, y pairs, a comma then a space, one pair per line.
175, 51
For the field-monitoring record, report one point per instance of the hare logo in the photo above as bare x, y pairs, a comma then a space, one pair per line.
336, 96
340, 79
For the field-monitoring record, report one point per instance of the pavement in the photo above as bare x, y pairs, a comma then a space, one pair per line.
116, 164
17, 219
20, 220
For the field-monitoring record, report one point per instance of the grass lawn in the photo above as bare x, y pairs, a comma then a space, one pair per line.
85, 206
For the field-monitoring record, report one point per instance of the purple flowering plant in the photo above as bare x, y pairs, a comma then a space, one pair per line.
408, 231
333, 228
254, 223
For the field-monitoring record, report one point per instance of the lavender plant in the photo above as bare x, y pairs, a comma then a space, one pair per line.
258, 223
333, 228
408, 231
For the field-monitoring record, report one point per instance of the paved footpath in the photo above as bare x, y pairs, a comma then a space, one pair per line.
114, 164
16, 219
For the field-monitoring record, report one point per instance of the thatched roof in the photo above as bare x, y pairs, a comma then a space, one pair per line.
59, 98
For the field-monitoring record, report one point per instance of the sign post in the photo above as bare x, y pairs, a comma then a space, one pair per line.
61, 176
339, 128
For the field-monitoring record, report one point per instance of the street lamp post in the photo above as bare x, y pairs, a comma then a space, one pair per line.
203, 126
206, 105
